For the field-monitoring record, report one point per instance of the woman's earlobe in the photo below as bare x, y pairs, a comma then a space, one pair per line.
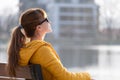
38, 27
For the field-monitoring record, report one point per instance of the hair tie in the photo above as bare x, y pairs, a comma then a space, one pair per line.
20, 26
23, 32
21, 29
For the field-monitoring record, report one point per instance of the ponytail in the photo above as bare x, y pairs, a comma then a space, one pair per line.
16, 42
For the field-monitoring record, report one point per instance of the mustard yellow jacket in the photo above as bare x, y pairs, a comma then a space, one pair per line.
41, 52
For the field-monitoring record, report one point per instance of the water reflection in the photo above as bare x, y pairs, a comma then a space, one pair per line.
108, 63
3, 54
108, 55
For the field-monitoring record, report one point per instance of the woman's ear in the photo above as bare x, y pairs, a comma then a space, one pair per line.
38, 27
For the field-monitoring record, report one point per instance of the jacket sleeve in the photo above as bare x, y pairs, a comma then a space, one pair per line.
47, 58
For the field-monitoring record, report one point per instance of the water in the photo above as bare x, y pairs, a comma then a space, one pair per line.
3, 53
3, 57
108, 67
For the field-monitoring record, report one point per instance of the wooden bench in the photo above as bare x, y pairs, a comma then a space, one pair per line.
30, 72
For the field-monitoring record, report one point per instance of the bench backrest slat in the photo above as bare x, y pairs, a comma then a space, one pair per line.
21, 72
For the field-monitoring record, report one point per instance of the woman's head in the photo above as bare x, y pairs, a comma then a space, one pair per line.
35, 23
33, 18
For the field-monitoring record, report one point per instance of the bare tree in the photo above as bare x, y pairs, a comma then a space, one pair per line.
109, 16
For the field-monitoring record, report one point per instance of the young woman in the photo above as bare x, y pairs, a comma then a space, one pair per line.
34, 25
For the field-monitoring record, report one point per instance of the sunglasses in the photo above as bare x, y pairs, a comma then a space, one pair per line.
45, 20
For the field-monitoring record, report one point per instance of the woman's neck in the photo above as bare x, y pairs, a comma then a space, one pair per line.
37, 38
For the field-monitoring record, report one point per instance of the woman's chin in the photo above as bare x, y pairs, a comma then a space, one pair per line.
49, 31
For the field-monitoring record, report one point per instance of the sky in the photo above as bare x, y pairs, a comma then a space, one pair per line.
9, 6
109, 9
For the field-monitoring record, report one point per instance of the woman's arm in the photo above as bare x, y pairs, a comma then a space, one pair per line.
47, 58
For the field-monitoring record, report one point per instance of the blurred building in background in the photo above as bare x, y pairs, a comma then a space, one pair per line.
26, 4
75, 26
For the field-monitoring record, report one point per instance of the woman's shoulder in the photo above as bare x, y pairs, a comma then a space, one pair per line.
42, 44
37, 42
